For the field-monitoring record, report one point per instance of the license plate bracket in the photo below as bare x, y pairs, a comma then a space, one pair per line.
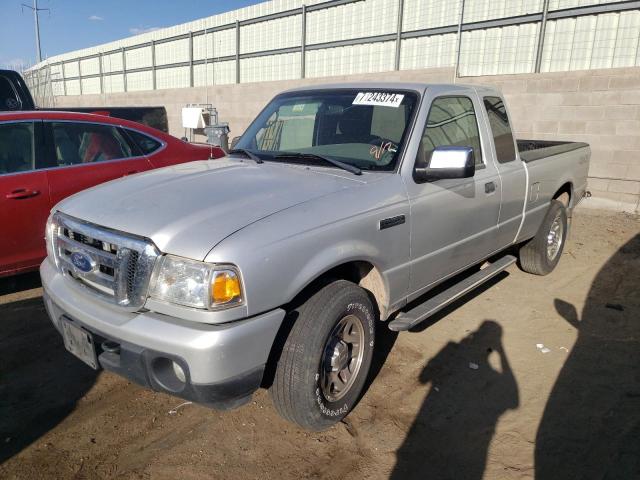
79, 342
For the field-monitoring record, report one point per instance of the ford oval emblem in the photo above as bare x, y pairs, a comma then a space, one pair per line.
82, 262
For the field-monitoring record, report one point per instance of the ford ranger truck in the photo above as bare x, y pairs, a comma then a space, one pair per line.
341, 206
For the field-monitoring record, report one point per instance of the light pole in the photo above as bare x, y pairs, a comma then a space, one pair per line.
37, 24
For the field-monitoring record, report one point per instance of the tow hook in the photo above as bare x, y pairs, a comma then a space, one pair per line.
111, 347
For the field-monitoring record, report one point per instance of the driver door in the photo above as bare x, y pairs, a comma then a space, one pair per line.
24, 197
453, 221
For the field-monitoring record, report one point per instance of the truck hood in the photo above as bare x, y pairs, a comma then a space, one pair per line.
189, 208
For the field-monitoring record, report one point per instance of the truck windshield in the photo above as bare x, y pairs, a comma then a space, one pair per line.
363, 128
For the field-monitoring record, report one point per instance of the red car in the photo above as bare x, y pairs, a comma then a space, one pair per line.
47, 156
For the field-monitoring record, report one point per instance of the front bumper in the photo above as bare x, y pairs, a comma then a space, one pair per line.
223, 364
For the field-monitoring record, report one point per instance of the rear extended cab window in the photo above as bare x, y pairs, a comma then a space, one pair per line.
500, 129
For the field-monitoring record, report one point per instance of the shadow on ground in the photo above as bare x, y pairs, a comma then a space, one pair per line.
19, 283
40, 382
591, 423
450, 436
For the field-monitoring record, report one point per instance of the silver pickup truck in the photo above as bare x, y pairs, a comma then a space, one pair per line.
340, 207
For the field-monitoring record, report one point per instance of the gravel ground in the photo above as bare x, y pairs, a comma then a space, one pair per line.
556, 391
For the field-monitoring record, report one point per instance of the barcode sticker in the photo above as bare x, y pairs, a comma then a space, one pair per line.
384, 99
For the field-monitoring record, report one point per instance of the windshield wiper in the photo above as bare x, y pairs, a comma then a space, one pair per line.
312, 156
247, 153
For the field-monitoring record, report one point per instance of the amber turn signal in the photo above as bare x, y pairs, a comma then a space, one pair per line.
225, 287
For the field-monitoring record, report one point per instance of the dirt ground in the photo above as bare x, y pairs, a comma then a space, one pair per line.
555, 395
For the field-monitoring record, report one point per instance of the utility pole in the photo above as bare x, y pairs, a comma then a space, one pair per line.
36, 10
456, 73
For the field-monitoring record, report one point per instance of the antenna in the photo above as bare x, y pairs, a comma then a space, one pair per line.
37, 23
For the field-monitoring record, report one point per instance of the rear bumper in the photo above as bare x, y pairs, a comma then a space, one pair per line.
222, 364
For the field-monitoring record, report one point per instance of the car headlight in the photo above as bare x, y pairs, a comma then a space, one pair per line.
50, 234
196, 284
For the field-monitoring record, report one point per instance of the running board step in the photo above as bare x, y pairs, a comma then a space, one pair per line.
408, 320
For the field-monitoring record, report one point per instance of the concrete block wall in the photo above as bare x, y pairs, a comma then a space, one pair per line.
600, 107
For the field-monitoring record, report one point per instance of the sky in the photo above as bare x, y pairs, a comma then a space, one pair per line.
69, 25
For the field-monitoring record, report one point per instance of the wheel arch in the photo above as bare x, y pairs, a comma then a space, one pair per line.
564, 194
361, 272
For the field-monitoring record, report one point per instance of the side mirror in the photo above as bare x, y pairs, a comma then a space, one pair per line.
447, 162
234, 142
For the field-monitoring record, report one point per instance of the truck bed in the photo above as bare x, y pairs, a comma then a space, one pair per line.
531, 150
17, 97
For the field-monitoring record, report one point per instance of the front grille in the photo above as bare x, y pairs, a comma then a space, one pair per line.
92, 242
115, 266
132, 268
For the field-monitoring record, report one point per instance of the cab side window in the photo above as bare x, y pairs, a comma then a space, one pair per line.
451, 122
77, 143
502, 135
16, 147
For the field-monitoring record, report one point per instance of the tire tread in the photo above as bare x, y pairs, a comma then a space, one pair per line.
288, 389
532, 255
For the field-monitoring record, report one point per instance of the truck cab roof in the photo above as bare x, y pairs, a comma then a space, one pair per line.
419, 87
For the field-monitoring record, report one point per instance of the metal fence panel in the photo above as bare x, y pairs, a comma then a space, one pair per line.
419, 14
90, 86
627, 40
562, 4
57, 88
352, 20
139, 58
287, 39
349, 60
274, 67
113, 83
71, 69
428, 52
596, 41
175, 51
90, 66
503, 50
73, 87
139, 81
112, 62
174, 77
271, 35
480, 10
214, 44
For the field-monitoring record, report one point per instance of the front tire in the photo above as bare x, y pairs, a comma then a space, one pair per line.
541, 254
326, 357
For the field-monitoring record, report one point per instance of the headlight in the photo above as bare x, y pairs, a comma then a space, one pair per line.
196, 284
50, 233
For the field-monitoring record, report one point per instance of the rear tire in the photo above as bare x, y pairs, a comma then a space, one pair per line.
541, 254
326, 357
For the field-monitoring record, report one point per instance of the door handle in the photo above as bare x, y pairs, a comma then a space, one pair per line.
22, 193
132, 172
489, 187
